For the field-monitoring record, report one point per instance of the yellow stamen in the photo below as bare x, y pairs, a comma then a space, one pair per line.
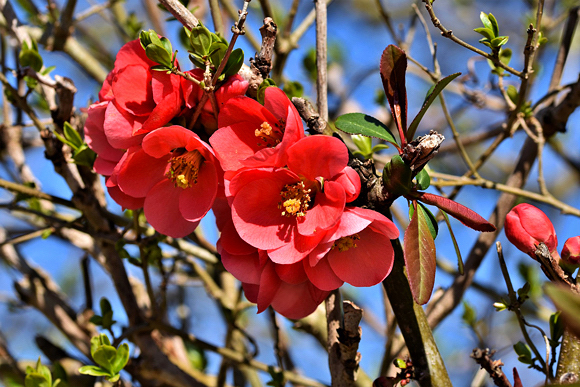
184, 168
345, 243
268, 135
295, 199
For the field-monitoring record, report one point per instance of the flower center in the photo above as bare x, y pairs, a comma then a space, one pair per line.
295, 199
345, 243
184, 168
269, 136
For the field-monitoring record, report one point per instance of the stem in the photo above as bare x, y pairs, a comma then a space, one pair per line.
321, 48
430, 369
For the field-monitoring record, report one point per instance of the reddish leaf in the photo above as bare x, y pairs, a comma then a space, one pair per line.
419, 249
393, 68
468, 217
517, 380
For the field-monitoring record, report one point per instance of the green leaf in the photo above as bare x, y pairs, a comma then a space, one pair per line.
63, 140
568, 303
423, 180
494, 25
397, 176
485, 20
486, 32
166, 44
363, 143
293, 89
512, 93
359, 123
72, 136
524, 352
121, 359
556, 328
431, 95
105, 356
499, 41
379, 147
505, 56
217, 51
420, 261
200, 39
36, 380
30, 58
235, 62
455, 245
105, 305
469, 316
159, 55
93, 371
400, 363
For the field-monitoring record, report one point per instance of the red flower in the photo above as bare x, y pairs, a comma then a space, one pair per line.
177, 175
287, 210
571, 251
252, 135
234, 86
357, 251
527, 226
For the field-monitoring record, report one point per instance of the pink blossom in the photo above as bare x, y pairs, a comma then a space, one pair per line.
176, 174
252, 135
286, 211
571, 251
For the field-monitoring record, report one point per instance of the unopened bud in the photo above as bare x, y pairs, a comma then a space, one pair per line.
571, 254
527, 226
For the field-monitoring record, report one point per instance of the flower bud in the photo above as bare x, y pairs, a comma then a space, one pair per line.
527, 226
571, 251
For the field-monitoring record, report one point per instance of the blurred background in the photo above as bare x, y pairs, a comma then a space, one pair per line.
357, 36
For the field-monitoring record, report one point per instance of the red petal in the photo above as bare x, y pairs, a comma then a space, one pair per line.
140, 172
196, 201
234, 143
318, 156
269, 285
292, 274
296, 301
103, 166
350, 180
132, 53
163, 140
322, 276
162, 210
125, 200
256, 215
368, 263
132, 90
95, 132
296, 250
327, 210
119, 127
245, 268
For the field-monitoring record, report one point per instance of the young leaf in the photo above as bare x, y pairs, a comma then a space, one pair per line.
423, 180
499, 41
466, 216
568, 303
486, 32
93, 371
485, 20
72, 136
235, 62
359, 123
431, 95
494, 25
121, 359
105, 356
393, 67
455, 245
419, 250
397, 176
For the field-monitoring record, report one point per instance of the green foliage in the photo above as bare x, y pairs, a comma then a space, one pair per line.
365, 146
423, 180
429, 217
158, 49
526, 107
293, 89
29, 56
490, 32
455, 244
469, 315
359, 123
110, 360
105, 320
196, 356
524, 353
397, 176
39, 376
82, 154
556, 329
433, 92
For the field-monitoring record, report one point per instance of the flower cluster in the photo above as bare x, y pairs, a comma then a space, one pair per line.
527, 226
166, 169
281, 198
